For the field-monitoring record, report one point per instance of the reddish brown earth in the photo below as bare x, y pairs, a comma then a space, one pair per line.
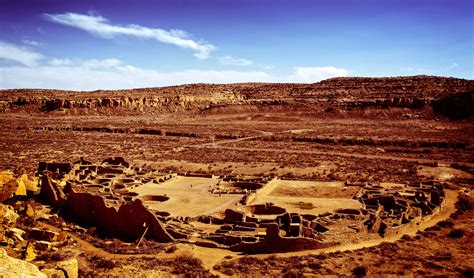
362, 129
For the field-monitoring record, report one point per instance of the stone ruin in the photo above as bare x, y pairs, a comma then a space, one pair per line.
97, 195
101, 196
391, 208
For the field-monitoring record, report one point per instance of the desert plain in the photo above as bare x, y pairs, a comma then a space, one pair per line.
347, 176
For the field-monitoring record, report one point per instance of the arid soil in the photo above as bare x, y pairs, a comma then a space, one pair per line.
388, 130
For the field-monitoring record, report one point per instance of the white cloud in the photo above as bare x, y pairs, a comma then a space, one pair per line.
60, 62
315, 74
18, 54
31, 42
113, 74
91, 64
100, 26
232, 61
107, 63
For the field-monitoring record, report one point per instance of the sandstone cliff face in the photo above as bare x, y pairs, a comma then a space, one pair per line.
347, 93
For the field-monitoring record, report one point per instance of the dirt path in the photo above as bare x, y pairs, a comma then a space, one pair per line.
267, 189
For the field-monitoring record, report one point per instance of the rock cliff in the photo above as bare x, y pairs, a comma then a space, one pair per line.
414, 92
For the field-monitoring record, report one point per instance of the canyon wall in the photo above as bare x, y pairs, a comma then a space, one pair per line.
414, 92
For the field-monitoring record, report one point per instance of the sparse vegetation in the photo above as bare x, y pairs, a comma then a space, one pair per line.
360, 271
337, 140
101, 262
456, 233
188, 265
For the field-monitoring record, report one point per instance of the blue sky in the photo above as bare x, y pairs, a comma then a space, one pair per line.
87, 45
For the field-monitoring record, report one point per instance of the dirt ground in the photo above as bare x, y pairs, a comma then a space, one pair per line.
313, 147
309, 196
188, 196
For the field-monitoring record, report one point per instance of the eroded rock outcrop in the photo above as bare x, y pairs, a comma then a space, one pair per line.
412, 92
11, 267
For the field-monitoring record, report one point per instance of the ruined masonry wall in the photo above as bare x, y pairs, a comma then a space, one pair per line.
127, 222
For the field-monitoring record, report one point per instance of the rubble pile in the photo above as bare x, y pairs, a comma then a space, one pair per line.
22, 240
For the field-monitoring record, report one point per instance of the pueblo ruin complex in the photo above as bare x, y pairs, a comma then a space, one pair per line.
242, 214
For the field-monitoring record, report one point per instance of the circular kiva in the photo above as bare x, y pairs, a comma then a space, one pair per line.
265, 209
155, 198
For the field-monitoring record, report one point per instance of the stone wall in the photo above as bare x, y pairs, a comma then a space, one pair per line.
129, 221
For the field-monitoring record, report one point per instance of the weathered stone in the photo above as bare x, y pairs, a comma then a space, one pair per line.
43, 245
21, 188
39, 234
11, 267
374, 224
50, 191
31, 184
30, 252
233, 216
63, 235
4, 241
54, 273
318, 227
17, 234
8, 185
306, 231
7, 215
70, 267
29, 211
